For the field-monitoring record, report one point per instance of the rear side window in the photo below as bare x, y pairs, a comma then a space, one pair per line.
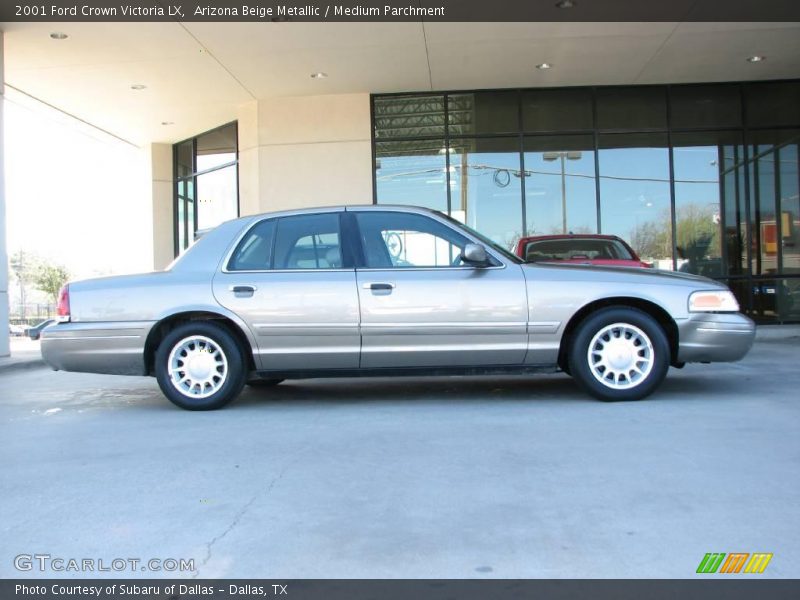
287, 243
254, 252
308, 242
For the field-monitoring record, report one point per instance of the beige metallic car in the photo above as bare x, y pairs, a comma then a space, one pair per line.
382, 290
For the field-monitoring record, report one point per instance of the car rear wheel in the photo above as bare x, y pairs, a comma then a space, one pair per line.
199, 366
619, 354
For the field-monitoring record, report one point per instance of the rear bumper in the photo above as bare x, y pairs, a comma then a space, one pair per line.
113, 348
715, 337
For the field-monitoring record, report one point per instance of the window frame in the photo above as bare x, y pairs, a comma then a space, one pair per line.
348, 260
361, 264
191, 236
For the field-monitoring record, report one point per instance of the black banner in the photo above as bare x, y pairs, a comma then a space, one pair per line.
400, 10
400, 589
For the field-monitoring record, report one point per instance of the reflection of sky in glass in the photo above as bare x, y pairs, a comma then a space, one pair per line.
485, 193
418, 180
697, 177
634, 194
634, 188
544, 194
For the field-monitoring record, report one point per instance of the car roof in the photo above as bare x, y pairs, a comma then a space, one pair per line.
340, 208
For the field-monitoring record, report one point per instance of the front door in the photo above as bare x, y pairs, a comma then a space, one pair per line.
421, 306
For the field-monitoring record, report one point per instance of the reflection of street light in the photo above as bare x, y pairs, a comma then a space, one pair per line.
569, 155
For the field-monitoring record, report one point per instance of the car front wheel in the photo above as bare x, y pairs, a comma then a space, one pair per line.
199, 366
619, 354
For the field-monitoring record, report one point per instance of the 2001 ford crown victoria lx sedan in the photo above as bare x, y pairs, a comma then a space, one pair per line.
380, 290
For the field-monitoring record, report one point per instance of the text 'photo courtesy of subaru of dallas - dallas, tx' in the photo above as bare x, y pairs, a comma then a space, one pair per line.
385, 291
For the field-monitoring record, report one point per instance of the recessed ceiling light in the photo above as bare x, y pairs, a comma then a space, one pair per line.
138, 86
544, 66
756, 58
565, 4
59, 35
168, 122
319, 75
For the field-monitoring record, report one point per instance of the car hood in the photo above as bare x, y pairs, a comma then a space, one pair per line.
631, 275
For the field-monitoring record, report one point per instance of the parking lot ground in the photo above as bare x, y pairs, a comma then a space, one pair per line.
510, 477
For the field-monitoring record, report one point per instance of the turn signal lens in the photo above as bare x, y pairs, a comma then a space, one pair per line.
62, 308
713, 301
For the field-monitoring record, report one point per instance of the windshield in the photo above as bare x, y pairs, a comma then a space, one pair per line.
484, 240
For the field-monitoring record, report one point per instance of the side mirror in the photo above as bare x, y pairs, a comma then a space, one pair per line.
475, 254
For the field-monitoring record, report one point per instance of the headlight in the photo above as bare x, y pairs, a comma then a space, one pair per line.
713, 301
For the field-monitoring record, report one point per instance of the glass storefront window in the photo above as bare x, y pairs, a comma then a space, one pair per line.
632, 108
560, 186
557, 110
408, 116
772, 104
216, 148
775, 181
705, 106
485, 183
206, 183
483, 112
635, 194
412, 173
716, 161
701, 161
216, 197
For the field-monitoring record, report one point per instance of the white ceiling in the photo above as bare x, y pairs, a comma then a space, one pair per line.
198, 73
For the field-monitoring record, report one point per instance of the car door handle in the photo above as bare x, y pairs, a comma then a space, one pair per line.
379, 287
243, 290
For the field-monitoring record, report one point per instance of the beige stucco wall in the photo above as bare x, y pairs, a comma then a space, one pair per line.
159, 167
304, 151
293, 153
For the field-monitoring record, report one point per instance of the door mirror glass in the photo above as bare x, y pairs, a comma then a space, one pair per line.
475, 254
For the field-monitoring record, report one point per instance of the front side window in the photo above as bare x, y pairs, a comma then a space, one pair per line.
398, 240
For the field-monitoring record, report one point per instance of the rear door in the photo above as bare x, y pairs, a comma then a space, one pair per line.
421, 306
292, 281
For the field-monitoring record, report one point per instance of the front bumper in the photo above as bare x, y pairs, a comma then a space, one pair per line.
715, 337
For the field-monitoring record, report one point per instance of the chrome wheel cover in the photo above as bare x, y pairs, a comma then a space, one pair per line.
620, 356
197, 367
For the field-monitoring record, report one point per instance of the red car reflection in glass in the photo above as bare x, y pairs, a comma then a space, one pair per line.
582, 249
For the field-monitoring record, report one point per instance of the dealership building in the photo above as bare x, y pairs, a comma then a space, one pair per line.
682, 138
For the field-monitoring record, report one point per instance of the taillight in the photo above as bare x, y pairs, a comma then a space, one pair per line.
62, 308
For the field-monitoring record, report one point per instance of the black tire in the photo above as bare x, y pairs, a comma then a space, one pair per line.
633, 345
218, 342
264, 383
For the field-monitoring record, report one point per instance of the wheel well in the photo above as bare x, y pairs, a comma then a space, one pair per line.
161, 329
659, 314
